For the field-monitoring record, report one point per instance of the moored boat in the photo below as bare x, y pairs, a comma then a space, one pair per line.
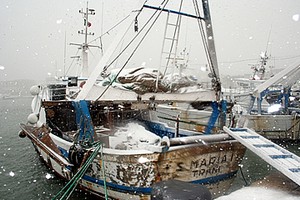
135, 156
280, 120
110, 141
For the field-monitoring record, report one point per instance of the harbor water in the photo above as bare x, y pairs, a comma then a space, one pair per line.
24, 176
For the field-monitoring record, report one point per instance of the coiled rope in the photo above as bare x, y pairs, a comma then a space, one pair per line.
68, 189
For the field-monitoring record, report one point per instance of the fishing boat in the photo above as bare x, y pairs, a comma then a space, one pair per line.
242, 87
106, 137
267, 102
280, 119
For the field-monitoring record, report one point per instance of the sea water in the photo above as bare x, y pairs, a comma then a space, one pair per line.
24, 176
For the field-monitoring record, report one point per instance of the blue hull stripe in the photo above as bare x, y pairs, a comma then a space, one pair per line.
147, 190
215, 179
136, 190
64, 152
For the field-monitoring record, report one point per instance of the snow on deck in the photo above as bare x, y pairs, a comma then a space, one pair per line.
133, 137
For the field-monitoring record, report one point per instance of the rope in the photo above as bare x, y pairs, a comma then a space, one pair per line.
66, 191
196, 6
71, 64
246, 183
135, 49
107, 32
104, 176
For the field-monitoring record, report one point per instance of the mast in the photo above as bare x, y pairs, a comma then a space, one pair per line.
260, 69
208, 95
85, 46
65, 52
103, 61
211, 45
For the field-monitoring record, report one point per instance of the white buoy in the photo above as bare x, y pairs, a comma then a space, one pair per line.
32, 118
35, 90
165, 141
39, 124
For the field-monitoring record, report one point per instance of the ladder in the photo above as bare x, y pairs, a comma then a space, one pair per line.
280, 158
170, 43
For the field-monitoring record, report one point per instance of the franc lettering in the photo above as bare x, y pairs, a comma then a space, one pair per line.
209, 165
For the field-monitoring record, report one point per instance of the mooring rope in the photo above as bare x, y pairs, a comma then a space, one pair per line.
241, 170
67, 190
104, 176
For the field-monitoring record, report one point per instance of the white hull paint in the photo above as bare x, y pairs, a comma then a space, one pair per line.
130, 175
273, 126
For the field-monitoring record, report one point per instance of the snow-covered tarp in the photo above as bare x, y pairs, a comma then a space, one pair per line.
144, 80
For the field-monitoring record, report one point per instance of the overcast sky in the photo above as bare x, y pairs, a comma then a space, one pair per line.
32, 33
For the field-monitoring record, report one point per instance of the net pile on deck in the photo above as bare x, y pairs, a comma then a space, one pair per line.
143, 80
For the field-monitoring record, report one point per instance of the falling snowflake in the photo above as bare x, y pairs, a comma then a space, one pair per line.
12, 174
296, 17
59, 21
48, 176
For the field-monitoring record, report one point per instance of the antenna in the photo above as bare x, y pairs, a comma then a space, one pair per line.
84, 47
65, 49
268, 39
260, 69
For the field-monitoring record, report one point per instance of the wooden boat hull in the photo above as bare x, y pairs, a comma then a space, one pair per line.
130, 174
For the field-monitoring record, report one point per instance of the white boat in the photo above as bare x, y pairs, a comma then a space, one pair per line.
108, 140
280, 119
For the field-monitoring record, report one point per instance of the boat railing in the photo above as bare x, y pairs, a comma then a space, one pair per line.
60, 91
57, 91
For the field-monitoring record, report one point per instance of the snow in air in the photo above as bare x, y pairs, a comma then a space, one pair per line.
12, 174
48, 176
296, 17
59, 21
